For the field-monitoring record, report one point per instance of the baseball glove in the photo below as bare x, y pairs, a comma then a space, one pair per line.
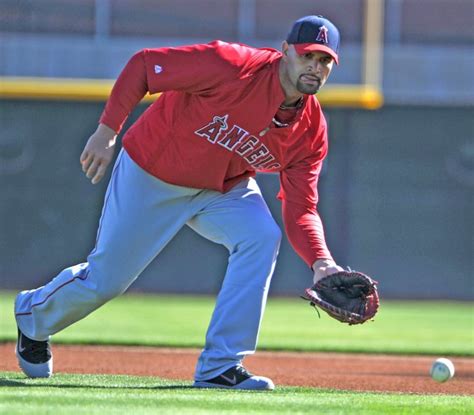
348, 296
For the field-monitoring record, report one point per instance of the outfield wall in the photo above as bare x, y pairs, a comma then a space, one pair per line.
396, 197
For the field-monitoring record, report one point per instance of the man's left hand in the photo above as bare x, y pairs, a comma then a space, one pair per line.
323, 268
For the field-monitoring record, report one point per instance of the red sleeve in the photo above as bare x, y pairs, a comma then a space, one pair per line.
192, 69
299, 194
130, 87
305, 232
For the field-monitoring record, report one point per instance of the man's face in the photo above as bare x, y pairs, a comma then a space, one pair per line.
309, 72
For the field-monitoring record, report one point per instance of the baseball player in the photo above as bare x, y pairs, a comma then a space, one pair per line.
226, 112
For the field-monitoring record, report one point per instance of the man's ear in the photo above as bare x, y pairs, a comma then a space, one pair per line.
284, 48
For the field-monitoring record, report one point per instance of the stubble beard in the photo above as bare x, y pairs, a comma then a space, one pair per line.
307, 89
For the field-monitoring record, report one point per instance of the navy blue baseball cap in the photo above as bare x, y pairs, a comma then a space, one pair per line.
315, 33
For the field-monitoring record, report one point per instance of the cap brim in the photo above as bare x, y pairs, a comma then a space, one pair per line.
302, 48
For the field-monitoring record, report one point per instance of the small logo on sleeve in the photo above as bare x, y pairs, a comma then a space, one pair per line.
158, 69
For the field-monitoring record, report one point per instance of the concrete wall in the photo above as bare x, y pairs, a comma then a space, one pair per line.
396, 198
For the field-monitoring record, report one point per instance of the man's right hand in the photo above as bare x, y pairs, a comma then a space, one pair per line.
98, 153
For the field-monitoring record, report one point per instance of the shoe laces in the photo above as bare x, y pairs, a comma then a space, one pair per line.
242, 371
40, 350
37, 351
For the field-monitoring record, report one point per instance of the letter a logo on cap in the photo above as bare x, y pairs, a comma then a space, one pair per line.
322, 35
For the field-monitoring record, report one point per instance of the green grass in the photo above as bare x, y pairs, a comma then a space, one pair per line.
440, 328
91, 394
436, 328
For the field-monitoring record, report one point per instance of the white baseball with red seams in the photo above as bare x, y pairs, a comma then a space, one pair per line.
442, 370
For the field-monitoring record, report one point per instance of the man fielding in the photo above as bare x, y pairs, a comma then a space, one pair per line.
226, 111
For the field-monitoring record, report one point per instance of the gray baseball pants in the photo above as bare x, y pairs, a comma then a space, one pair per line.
141, 214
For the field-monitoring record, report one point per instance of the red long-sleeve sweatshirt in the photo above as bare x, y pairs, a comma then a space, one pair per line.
212, 126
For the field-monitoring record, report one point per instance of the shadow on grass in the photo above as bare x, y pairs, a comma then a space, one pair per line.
7, 383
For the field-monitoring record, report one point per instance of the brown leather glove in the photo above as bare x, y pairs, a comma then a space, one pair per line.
348, 296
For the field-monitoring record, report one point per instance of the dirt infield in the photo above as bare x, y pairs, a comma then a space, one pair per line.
409, 374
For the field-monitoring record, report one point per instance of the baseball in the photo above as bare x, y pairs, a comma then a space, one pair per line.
442, 370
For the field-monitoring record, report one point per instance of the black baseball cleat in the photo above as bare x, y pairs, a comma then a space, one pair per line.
34, 357
236, 377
